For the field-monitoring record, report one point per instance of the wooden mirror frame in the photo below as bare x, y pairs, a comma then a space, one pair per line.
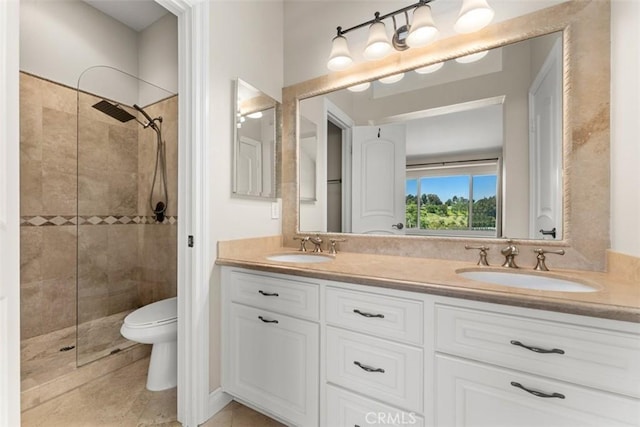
586, 135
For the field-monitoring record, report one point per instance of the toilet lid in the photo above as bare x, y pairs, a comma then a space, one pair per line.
163, 311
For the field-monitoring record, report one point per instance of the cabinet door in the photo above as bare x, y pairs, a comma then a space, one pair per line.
273, 363
473, 394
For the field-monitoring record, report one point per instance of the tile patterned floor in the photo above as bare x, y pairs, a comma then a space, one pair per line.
120, 399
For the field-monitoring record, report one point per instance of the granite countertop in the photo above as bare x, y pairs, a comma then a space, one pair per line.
616, 298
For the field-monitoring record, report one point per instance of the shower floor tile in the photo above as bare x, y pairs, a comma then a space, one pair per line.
120, 399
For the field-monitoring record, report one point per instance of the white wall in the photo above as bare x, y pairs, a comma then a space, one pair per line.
60, 39
158, 57
625, 127
246, 42
312, 24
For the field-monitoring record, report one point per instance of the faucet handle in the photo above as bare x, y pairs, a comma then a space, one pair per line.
332, 245
303, 242
541, 265
483, 253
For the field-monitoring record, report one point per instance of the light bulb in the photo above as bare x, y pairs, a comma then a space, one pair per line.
378, 45
429, 68
340, 58
474, 15
467, 59
359, 88
423, 31
391, 79
256, 115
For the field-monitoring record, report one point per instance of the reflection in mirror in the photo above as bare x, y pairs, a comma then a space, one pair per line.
465, 149
254, 143
308, 160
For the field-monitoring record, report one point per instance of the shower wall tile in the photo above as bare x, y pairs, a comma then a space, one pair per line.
123, 149
31, 302
58, 308
123, 193
93, 190
83, 166
58, 252
30, 254
93, 146
59, 160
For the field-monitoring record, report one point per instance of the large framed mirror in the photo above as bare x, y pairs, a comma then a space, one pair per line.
453, 131
254, 143
568, 178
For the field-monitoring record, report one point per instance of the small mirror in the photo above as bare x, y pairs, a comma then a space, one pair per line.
254, 145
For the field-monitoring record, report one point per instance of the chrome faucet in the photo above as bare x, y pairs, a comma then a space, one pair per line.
510, 252
317, 242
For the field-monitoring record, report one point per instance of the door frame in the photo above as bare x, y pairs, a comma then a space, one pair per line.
194, 197
9, 214
193, 176
342, 120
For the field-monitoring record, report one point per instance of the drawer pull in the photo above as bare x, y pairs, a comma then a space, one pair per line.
537, 393
267, 294
368, 368
267, 320
537, 349
362, 313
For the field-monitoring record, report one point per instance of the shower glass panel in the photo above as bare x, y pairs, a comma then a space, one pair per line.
117, 151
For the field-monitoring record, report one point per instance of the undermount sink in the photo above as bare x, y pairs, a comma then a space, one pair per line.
526, 281
301, 258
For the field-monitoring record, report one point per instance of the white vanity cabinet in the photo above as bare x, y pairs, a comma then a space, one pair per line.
374, 348
533, 369
270, 350
345, 355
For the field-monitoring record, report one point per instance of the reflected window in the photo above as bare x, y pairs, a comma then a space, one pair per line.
452, 199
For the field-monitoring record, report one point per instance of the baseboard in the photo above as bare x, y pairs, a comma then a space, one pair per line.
218, 399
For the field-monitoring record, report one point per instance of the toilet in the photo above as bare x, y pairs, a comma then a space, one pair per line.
156, 324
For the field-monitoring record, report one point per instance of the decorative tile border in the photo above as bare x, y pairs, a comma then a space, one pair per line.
58, 220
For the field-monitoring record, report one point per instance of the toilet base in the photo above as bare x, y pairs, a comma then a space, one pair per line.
163, 366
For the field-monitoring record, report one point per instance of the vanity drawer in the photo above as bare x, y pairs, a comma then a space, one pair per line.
346, 409
293, 297
475, 394
386, 371
383, 316
600, 358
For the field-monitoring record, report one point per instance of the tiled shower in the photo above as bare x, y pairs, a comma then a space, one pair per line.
91, 249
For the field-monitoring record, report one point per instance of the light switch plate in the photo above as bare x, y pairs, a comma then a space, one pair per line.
275, 210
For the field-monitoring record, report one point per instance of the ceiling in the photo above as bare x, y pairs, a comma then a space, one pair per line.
135, 14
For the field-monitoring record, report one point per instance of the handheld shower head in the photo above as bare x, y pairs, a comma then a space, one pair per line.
150, 122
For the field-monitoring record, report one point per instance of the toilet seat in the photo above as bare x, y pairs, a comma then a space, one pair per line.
155, 314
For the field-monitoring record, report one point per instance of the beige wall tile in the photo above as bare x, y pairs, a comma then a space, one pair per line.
58, 252
93, 146
93, 192
58, 308
123, 193
123, 149
31, 302
31, 248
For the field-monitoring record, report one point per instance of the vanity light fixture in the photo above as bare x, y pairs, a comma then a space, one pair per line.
467, 59
391, 79
474, 15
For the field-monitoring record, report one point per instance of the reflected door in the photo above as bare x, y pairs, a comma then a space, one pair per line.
249, 172
378, 179
545, 102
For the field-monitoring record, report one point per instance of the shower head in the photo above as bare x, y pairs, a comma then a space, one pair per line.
113, 110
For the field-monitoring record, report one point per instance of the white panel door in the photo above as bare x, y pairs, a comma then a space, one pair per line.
379, 169
545, 115
9, 218
249, 178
